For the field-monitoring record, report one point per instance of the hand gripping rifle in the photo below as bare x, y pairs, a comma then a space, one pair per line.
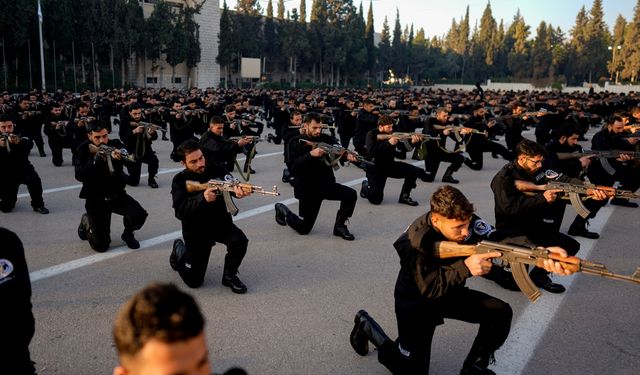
334, 153
148, 126
517, 257
252, 138
226, 187
104, 152
576, 193
8, 138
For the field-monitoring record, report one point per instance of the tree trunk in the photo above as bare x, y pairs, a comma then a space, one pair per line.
122, 73
16, 71
84, 77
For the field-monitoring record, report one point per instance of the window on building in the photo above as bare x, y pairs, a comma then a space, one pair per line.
177, 80
152, 79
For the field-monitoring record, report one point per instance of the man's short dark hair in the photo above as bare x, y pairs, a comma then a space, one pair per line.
295, 113
229, 108
312, 116
451, 203
159, 311
96, 126
530, 148
186, 148
567, 130
5, 117
385, 120
134, 106
216, 120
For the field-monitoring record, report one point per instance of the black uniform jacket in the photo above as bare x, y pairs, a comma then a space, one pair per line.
570, 167
424, 279
15, 162
219, 151
196, 214
98, 182
516, 212
313, 175
606, 140
138, 144
381, 151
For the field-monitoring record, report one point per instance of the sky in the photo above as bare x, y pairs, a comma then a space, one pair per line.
435, 15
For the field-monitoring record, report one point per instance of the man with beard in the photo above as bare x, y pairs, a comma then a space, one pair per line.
315, 182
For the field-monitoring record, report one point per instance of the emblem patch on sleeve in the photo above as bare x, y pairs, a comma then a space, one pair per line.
482, 228
6, 268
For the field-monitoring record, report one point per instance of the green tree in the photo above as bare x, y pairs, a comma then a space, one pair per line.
369, 41
226, 43
541, 52
598, 37
303, 11
280, 15
631, 48
518, 55
616, 64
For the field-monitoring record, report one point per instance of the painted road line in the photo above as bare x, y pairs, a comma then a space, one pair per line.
528, 331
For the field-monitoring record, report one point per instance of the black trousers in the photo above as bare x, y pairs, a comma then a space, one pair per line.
135, 169
192, 266
345, 137
9, 189
99, 213
478, 146
547, 238
57, 144
309, 207
411, 352
377, 178
435, 155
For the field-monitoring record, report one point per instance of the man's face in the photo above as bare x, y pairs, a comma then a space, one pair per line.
83, 111
6, 127
617, 127
385, 129
368, 107
176, 106
231, 114
296, 120
136, 114
100, 137
156, 357
216, 129
194, 162
530, 164
572, 140
442, 117
452, 229
56, 111
24, 105
314, 129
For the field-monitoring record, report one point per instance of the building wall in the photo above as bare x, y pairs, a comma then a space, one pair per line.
205, 74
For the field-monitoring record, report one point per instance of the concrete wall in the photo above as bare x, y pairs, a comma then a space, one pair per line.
495, 86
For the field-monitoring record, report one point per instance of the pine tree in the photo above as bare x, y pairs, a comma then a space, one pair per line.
226, 43
616, 64
303, 11
631, 48
597, 41
541, 52
270, 9
369, 40
281, 10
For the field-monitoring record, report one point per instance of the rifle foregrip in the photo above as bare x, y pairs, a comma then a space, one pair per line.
193, 186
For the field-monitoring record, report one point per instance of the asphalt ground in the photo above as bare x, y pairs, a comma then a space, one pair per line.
304, 290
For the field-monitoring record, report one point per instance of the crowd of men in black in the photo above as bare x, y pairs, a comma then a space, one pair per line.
209, 128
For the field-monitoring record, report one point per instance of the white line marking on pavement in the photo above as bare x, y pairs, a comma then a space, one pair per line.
528, 331
122, 250
161, 171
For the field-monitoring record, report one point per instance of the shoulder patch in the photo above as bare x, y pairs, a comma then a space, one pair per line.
6, 268
550, 174
482, 228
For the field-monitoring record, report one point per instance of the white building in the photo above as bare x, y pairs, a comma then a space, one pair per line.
205, 74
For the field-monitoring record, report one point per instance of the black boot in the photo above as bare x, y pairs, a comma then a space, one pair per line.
406, 199
285, 175
579, 228
231, 280
152, 182
366, 329
83, 228
448, 177
282, 212
130, 240
340, 227
477, 365
364, 190
176, 254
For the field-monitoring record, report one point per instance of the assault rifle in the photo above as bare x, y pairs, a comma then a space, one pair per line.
406, 138
104, 152
226, 187
602, 155
324, 126
334, 153
252, 138
458, 129
25, 114
9, 138
576, 193
517, 257
148, 126
60, 126
597, 154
